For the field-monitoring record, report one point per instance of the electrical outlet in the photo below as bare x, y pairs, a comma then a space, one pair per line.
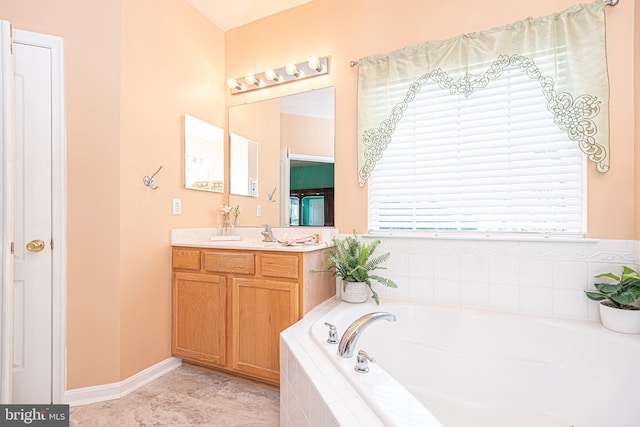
177, 207
258, 210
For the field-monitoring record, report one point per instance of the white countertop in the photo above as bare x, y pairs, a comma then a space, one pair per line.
251, 239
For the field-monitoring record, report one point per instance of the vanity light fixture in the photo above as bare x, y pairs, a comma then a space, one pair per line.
314, 66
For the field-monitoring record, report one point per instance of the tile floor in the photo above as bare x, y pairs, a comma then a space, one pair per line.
185, 397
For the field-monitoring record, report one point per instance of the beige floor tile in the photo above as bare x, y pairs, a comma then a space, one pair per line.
185, 397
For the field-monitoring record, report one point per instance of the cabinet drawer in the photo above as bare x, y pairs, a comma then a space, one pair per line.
285, 266
186, 259
229, 262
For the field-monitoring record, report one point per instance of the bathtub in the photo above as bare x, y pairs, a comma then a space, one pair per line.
444, 366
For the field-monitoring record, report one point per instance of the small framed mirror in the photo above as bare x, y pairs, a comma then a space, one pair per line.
203, 155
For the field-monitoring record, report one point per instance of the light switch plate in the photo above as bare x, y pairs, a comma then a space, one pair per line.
177, 207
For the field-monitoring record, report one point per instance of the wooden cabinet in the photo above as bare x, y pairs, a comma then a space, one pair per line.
229, 306
261, 310
200, 317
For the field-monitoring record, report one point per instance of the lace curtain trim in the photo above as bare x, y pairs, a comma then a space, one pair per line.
576, 87
572, 115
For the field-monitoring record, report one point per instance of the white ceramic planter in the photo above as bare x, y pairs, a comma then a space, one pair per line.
615, 319
356, 292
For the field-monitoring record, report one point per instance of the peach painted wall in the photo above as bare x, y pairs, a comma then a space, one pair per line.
312, 136
172, 64
350, 29
132, 70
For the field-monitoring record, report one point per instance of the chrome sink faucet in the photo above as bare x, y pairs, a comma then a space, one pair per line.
268, 235
350, 337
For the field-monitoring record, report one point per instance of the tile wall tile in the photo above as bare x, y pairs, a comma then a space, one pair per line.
536, 300
541, 277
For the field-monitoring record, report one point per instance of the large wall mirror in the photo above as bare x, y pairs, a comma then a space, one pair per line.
203, 155
294, 137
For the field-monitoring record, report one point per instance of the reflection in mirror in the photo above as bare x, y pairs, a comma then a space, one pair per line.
203, 155
311, 190
243, 164
296, 156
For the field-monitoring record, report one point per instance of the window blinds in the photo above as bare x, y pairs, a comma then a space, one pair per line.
491, 162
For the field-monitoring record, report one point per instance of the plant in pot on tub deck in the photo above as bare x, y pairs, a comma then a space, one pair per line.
353, 261
616, 298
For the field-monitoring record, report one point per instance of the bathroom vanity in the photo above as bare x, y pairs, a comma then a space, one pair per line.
231, 300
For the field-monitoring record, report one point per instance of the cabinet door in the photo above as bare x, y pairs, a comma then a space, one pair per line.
199, 317
261, 310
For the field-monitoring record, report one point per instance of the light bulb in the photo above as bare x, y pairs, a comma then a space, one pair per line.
252, 80
271, 75
314, 64
233, 84
292, 70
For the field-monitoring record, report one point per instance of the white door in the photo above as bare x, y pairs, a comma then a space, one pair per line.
32, 292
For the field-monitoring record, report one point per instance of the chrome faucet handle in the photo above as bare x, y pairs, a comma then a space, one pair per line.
333, 333
268, 235
362, 362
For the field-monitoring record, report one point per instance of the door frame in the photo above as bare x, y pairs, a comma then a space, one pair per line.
58, 211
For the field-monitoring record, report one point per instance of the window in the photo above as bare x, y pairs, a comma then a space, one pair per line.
487, 132
491, 162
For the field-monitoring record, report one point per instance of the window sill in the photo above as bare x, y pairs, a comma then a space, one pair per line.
481, 236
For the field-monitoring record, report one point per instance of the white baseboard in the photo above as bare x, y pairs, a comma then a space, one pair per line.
100, 393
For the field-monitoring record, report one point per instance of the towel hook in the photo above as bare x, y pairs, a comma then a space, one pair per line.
271, 196
148, 180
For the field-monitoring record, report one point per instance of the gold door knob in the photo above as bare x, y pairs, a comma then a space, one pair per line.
35, 246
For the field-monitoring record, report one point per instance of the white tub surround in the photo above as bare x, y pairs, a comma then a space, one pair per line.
467, 367
312, 390
544, 276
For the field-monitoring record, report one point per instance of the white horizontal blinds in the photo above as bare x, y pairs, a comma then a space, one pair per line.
494, 161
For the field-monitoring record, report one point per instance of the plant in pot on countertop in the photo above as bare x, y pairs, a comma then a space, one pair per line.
353, 261
616, 310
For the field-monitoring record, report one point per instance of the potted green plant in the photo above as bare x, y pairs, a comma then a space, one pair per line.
353, 262
616, 310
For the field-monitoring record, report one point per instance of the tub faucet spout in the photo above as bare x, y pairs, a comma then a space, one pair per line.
347, 344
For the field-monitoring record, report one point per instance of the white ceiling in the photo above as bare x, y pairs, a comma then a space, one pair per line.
227, 15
